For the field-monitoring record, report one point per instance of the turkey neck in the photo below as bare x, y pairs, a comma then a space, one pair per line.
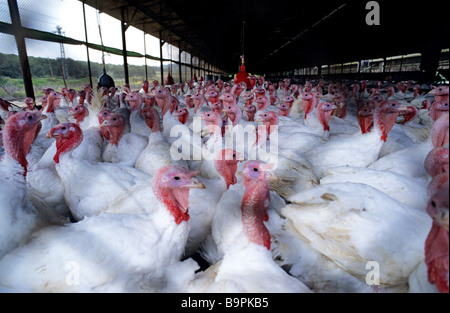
235, 116
183, 118
135, 103
283, 112
52, 104
307, 105
439, 98
384, 121
436, 255
251, 116
439, 132
324, 117
228, 171
81, 99
254, 209
435, 112
198, 103
365, 122
213, 100
263, 105
17, 144
153, 122
81, 116
164, 102
156, 124
115, 134
63, 146
176, 204
214, 126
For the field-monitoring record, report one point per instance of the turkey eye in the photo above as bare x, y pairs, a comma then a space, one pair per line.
176, 178
433, 204
114, 119
234, 155
63, 128
30, 117
255, 169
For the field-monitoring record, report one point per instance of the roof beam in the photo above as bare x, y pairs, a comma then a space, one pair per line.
158, 18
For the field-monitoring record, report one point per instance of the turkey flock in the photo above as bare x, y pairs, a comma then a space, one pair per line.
241, 186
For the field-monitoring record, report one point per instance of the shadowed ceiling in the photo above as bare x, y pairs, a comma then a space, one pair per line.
283, 35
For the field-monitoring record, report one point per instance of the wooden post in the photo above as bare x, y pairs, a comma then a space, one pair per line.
21, 48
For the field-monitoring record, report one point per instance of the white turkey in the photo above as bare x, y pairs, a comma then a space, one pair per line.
130, 251
18, 217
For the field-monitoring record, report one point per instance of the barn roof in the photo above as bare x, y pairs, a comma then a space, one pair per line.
283, 35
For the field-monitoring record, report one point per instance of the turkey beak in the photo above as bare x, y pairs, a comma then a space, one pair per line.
43, 117
195, 183
49, 134
403, 108
271, 177
105, 123
442, 219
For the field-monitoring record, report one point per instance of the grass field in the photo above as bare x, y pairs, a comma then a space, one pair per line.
12, 89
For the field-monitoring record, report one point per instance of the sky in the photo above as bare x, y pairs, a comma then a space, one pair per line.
46, 15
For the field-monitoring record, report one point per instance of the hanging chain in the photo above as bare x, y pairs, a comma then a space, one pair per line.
243, 42
101, 37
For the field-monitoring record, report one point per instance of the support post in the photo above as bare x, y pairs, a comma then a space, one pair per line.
124, 46
145, 52
161, 43
429, 63
179, 60
87, 48
192, 67
21, 48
